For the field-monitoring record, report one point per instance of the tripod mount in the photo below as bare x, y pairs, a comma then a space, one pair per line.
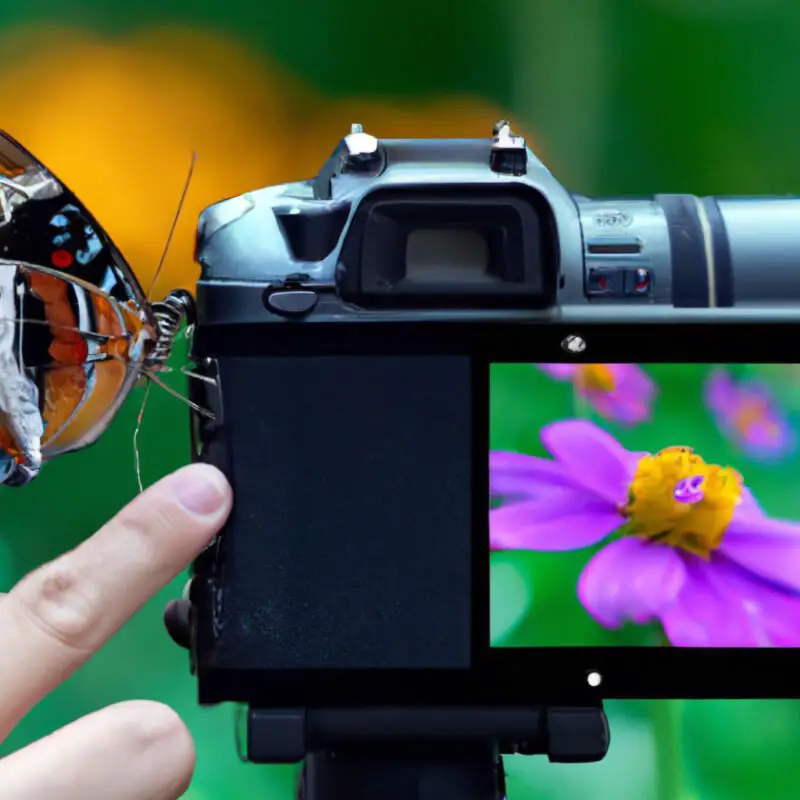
419, 753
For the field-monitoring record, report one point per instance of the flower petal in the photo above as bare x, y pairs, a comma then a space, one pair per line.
769, 439
630, 579
747, 413
634, 379
720, 392
519, 475
595, 458
749, 508
701, 616
774, 611
722, 605
768, 547
630, 402
565, 520
560, 372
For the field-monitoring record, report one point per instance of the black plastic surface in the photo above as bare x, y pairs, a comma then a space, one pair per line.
509, 163
349, 545
312, 235
564, 734
577, 735
464, 773
690, 287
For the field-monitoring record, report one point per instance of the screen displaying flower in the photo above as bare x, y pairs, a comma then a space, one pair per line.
674, 537
622, 393
748, 413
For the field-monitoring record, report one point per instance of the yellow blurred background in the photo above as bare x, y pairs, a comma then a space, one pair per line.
122, 135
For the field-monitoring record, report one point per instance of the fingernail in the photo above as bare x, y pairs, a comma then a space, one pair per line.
201, 489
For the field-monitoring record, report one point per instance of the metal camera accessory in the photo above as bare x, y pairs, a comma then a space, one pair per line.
573, 344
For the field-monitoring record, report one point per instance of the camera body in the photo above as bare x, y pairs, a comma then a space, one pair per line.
345, 325
399, 224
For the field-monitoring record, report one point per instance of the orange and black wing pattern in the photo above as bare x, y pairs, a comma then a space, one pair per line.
75, 326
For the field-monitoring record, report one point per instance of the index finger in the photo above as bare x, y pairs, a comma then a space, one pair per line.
60, 614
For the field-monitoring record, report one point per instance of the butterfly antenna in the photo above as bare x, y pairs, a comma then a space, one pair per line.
174, 225
136, 457
190, 373
199, 409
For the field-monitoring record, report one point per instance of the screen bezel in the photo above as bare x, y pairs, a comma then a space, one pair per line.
652, 671
500, 675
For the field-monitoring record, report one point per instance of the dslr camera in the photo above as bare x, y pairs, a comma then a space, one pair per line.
346, 325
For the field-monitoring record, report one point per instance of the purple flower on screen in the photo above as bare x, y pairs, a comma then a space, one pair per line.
621, 393
693, 550
749, 415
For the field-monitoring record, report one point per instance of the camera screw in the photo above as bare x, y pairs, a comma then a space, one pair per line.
573, 344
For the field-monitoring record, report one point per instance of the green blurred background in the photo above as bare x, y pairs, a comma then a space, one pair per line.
618, 96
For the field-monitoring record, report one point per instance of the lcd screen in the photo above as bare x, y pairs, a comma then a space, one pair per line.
644, 504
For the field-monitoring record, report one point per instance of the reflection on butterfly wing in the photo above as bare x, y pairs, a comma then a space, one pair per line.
80, 402
66, 409
75, 325
69, 355
42, 222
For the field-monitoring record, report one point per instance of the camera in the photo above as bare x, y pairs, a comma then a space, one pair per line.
345, 327
480, 227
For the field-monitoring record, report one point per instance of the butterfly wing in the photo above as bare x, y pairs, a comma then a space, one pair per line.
75, 325
42, 222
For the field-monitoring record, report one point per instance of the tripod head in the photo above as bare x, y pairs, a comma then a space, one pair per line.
419, 753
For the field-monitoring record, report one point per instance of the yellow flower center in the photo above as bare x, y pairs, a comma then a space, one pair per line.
595, 377
677, 499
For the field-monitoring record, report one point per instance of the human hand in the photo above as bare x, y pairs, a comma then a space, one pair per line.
54, 619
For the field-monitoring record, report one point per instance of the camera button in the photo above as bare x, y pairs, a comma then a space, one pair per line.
291, 303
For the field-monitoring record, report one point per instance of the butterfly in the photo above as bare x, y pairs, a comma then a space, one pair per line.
77, 331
